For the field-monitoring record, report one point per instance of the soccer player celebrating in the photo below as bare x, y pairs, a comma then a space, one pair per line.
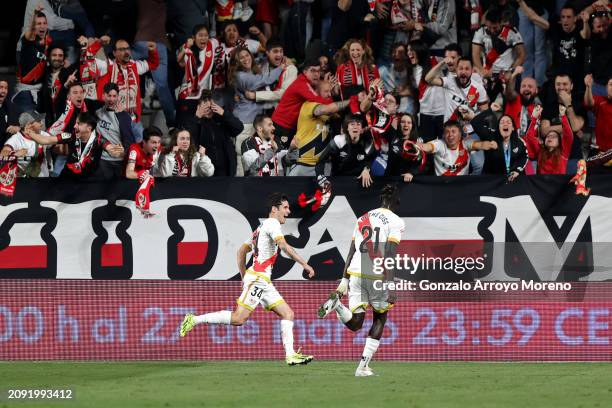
374, 228
256, 284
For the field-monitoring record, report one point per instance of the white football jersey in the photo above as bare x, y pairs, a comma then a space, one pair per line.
264, 245
373, 230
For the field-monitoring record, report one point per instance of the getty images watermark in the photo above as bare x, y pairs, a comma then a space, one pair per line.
407, 265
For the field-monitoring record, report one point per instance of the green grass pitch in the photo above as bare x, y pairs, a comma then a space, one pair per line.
320, 384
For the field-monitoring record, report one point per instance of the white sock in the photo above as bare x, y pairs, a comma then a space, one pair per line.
344, 313
222, 317
368, 352
287, 336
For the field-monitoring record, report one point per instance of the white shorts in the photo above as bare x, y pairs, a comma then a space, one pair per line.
362, 293
256, 290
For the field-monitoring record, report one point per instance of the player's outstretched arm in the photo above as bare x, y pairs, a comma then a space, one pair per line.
241, 258
288, 249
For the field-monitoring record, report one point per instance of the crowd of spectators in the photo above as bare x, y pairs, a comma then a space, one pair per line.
362, 88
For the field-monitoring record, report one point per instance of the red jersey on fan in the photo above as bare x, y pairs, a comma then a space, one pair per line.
141, 160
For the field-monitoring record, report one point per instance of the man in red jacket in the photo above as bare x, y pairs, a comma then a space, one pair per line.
302, 90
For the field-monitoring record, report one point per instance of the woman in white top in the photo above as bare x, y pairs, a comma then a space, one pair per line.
183, 160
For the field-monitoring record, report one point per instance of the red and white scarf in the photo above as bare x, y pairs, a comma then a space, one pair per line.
271, 168
143, 195
197, 77
8, 175
128, 86
182, 168
84, 155
88, 70
348, 75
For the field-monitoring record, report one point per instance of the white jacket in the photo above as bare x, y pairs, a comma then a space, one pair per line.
201, 166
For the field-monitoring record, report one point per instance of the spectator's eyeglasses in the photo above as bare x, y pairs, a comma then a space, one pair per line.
123, 49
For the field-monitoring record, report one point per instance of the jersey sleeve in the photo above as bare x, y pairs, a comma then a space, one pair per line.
437, 144
396, 228
249, 243
467, 143
478, 38
446, 81
514, 38
273, 228
132, 154
482, 94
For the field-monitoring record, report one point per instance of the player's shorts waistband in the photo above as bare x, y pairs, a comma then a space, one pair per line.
365, 275
259, 274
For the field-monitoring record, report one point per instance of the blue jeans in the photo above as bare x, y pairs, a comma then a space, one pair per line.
535, 48
160, 77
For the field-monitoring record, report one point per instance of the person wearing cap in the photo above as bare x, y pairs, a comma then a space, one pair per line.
285, 116
85, 146
32, 157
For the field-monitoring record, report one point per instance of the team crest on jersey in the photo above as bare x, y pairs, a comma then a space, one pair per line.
360, 157
284, 139
208, 54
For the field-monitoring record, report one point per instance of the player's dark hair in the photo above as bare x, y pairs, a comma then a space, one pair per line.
274, 42
199, 27
259, 120
72, 85
464, 59
58, 46
115, 43
348, 119
88, 118
564, 74
453, 47
151, 131
452, 123
389, 197
276, 200
494, 15
205, 96
568, 6
111, 86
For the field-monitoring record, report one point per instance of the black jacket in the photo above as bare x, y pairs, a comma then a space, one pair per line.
495, 162
216, 135
8, 117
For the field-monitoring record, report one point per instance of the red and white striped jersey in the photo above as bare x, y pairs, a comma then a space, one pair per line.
470, 96
264, 244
